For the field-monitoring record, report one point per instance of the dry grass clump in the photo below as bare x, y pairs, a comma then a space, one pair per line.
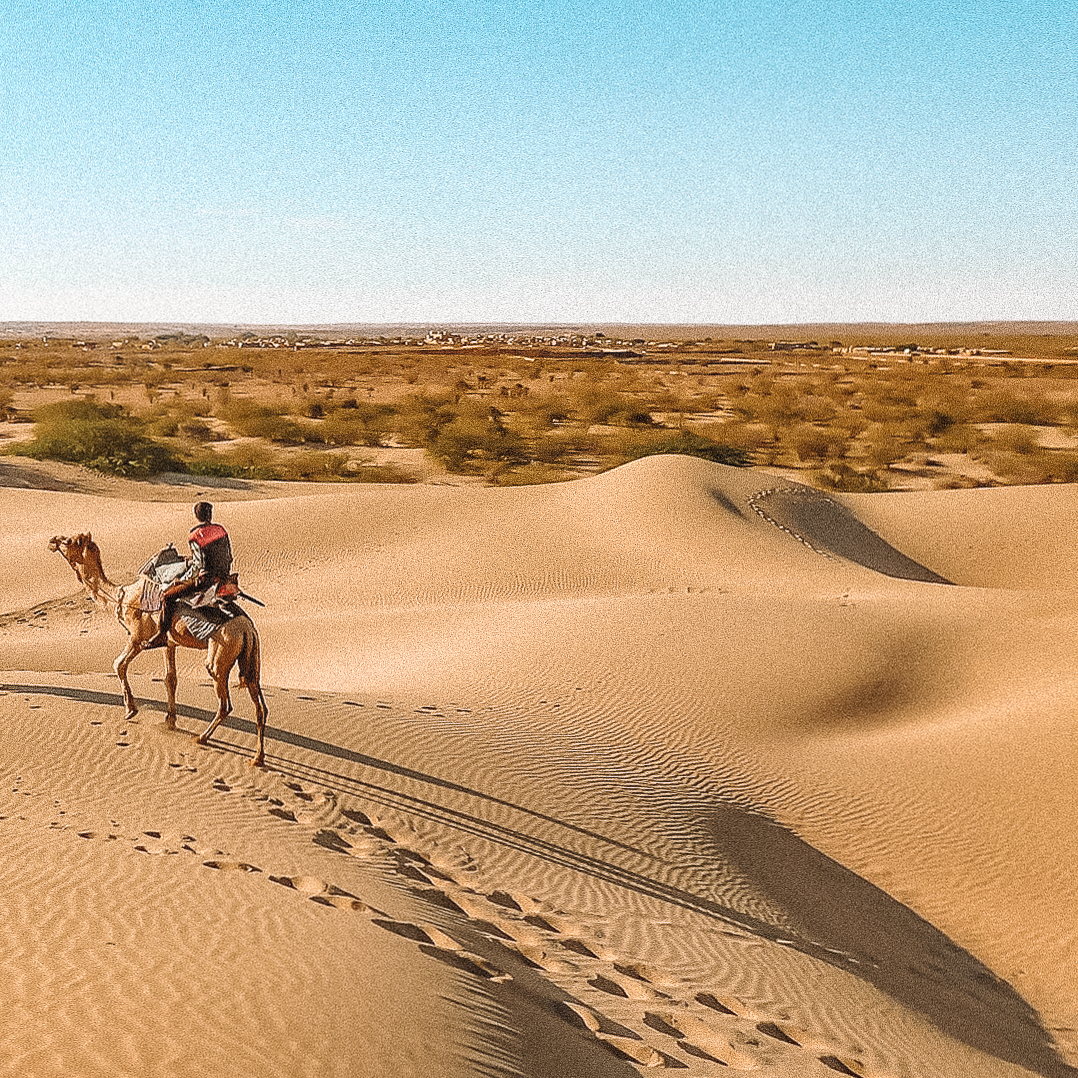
1006, 406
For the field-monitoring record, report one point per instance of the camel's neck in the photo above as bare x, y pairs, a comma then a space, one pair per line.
90, 571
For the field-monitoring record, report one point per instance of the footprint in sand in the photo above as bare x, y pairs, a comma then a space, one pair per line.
695, 1036
726, 1005
467, 962
627, 988
232, 866
848, 1066
640, 972
637, 1052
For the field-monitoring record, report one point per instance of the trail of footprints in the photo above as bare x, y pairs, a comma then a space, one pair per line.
754, 502
645, 1017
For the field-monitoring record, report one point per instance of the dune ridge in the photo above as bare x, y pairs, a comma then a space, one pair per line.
680, 766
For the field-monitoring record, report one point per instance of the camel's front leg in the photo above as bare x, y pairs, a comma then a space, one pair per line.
170, 685
123, 661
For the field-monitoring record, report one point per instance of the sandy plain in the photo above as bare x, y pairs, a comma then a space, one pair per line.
675, 767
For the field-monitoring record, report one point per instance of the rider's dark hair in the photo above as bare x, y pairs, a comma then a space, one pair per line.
203, 512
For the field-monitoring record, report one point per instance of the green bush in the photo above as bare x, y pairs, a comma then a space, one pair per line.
468, 439
688, 444
100, 436
264, 421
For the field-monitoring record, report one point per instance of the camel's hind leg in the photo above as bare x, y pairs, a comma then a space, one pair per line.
261, 711
219, 667
170, 685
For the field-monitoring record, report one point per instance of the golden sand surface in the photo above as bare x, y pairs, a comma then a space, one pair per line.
676, 767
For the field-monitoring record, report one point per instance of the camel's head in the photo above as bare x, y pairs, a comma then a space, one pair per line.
80, 551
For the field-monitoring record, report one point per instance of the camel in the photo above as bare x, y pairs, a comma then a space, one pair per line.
234, 642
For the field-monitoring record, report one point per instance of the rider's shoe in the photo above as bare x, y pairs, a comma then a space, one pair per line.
158, 640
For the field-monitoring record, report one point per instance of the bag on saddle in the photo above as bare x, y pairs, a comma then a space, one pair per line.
219, 591
165, 566
230, 588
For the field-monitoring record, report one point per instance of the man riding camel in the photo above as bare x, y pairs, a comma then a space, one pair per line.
210, 563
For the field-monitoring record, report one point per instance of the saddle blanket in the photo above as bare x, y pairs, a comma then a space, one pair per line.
203, 621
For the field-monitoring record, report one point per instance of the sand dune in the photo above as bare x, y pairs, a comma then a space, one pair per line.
680, 766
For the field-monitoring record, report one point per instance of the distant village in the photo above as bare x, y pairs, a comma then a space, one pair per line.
636, 349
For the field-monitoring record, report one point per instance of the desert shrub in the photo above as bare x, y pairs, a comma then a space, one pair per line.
265, 421
883, 448
816, 409
468, 438
104, 437
1014, 438
358, 424
959, 438
963, 482
541, 413
777, 407
839, 476
686, 443
1063, 467
196, 430
812, 443
363, 471
877, 410
1004, 406
560, 444
594, 403
747, 436
421, 416
1022, 467
317, 465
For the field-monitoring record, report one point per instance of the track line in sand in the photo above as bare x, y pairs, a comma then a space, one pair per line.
827, 528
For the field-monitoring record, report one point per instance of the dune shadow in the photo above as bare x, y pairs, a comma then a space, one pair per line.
891, 946
832, 528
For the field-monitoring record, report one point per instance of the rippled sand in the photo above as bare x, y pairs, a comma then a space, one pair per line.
678, 766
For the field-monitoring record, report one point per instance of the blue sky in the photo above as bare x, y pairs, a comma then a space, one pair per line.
836, 160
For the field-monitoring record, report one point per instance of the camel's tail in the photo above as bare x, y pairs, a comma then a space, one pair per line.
250, 661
